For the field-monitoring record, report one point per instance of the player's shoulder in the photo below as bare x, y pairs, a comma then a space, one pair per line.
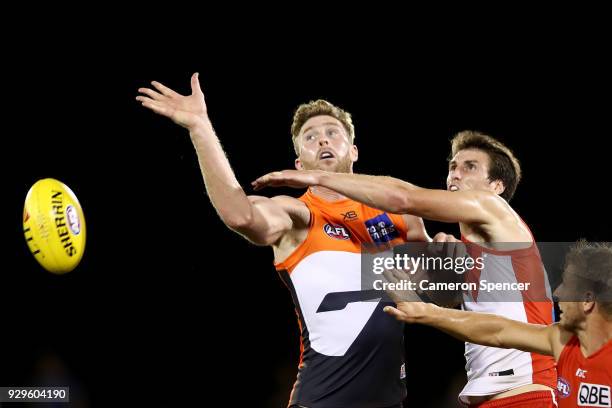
288, 201
562, 340
286, 198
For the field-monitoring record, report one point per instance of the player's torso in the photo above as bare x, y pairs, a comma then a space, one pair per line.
351, 350
584, 382
492, 370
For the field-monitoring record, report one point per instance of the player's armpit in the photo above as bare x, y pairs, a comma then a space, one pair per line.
558, 339
269, 221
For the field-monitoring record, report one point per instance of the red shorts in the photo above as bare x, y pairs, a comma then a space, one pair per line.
533, 399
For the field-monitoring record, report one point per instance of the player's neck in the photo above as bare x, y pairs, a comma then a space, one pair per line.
326, 193
595, 335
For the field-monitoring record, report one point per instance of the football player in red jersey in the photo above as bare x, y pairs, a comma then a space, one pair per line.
581, 342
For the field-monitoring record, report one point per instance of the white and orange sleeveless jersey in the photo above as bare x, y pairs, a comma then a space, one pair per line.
352, 353
493, 370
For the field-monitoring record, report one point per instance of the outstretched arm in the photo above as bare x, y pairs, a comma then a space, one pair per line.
397, 196
482, 328
261, 220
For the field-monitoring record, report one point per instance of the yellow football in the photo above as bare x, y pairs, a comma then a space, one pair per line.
54, 225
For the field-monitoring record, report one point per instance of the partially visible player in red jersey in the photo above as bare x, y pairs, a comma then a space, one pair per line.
581, 342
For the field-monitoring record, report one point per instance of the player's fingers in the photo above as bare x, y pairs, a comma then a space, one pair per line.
400, 275
152, 94
388, 276
398, 314
259, 183
195, 84
262, 181
439, 237
165, 90
155, 106
437, 245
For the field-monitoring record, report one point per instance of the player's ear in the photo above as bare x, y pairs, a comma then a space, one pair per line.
589, 303
354, 153
498, 186
298, 164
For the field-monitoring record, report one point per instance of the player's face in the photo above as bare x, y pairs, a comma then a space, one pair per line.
324, 145
572, 314
469, 170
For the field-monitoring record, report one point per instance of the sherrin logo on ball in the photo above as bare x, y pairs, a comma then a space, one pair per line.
54, 225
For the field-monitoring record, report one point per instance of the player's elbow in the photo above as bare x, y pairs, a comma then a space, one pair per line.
253, 232
496, 341
404, 202
401, 202
238, 221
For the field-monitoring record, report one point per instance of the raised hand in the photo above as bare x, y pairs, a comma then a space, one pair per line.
187, 111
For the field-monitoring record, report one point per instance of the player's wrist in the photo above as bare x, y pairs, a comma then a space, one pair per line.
201, 126
432, 314
322, 178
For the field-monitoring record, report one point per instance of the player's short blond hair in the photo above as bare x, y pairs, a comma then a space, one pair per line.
320, 107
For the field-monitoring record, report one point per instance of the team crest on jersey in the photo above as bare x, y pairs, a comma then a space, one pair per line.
381, 229
563, 387
336, 231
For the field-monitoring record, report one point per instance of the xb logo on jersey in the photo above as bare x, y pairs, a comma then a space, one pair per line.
336, 231
349, 216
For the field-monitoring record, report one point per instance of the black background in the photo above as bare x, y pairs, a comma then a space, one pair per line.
167, 303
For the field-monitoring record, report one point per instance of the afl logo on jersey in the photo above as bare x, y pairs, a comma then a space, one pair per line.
563, 387
336, 231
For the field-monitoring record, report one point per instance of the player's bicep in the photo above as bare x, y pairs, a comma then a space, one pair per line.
270, 221
534, 338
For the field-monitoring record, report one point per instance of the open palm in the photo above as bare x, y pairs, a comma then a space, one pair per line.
187, 111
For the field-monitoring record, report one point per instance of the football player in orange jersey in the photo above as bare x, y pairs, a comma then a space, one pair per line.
352, 352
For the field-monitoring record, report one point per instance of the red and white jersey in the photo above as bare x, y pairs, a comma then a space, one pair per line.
492, 370
584, 381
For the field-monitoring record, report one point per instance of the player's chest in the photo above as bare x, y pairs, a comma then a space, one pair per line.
585, 383
356, 226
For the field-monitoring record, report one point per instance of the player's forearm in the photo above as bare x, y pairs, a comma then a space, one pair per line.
382, 192
400, 197
479, 328
494, 331
224, 191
